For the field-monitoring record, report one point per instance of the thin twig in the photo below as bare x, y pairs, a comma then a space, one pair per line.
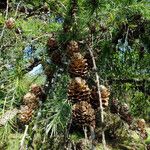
62, 5
45, 35
23, 138
90, 48
17, 9
92, 138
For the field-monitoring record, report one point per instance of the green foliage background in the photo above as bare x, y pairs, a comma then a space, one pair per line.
112, 63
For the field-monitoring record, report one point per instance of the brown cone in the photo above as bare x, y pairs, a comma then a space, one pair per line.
105, 102
83, 114
38, 91
25, 114
78, 90
78, 66
72, 48
31, 100
90, 61
10, 23
57, 58
114, 106
104, 91
141, 125
95, 97
125, 114
80, 145
51, 45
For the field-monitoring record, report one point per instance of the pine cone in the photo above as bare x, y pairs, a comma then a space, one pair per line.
52, 45
57, 58
80, 145
10, 23
124, 109
141, 125
104, 91
38, 91
105, 102
90, 61
104, 95
94, 100
144, 134
114, 106
127, 118
78, 90
72, 48
78, 66
25, 114
125, 114
31, 100
83, 114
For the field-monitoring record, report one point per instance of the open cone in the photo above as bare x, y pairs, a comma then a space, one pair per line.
31, 100
72, 47
38, 91
25, 114
78, 90
83, 114
94, 100
78, 66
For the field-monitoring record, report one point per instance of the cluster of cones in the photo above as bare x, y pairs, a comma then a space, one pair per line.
85, 100
31, 102
123, 111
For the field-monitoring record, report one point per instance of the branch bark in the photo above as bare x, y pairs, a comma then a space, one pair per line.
23, 138
90, 48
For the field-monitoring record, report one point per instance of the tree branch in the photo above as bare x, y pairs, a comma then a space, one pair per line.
23, 138
17, 9
90, 48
